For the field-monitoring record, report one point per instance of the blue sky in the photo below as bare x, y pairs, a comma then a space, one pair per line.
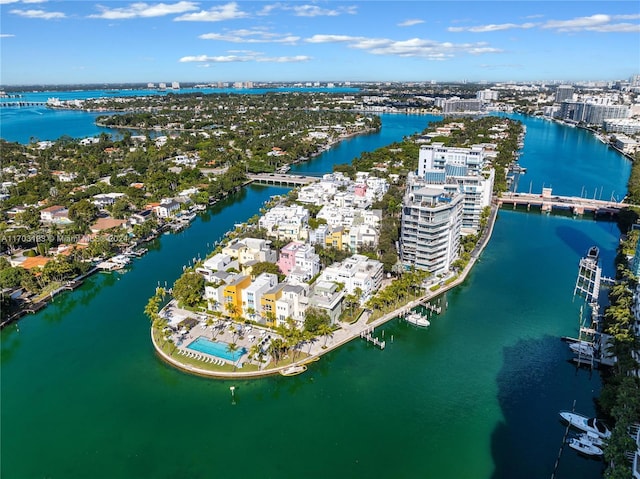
59, 42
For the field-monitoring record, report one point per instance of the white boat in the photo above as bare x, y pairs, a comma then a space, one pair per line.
592, 438
584, 348
586, 424
584, 446
417, 319
293, 370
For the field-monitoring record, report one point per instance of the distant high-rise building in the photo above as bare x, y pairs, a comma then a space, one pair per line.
175, 85
564, 92
461, 105
487, 95
591, 113
151, 85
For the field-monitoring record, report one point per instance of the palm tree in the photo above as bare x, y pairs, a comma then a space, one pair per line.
231, 308
255, 351
325, 330
232, 348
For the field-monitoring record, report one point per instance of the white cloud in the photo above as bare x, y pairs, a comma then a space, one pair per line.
247, 56
6, 35
411, 22
309, 10
254, 35
144, 10
594, 23
492, 27
315, 11
413, 47
41, 14
229, 11
216, 59
296, 59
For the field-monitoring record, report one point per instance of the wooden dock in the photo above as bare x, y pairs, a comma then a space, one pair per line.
367, 334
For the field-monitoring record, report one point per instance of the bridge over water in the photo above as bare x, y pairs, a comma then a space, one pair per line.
546, 202
21, 104
281, 179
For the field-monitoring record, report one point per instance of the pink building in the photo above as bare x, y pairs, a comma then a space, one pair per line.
360, 190
287, 258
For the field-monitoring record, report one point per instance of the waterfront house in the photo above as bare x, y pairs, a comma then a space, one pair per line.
248, 250
326, 296
218, 262
167, 208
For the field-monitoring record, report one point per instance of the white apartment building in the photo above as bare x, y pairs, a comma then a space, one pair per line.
293, 304
357, 271
251, 249
431, 226
252, 294
286, 222
463, 169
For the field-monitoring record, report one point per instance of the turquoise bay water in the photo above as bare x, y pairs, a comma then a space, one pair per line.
40, 123
476, 395
571, 161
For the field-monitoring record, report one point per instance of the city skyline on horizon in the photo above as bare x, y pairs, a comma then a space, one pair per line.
327, 41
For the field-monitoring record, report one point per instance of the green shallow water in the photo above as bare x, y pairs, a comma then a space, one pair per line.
474, 396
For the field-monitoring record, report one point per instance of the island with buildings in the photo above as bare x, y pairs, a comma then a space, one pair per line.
320, 267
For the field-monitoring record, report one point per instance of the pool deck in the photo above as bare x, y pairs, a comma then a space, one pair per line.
341, 336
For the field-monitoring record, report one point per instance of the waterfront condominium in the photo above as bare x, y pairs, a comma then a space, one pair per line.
463, 169
431, 226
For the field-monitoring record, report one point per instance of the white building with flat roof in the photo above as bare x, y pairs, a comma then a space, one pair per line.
252, 294
293, 303
463, 169
431, 226
357, 271
286, 222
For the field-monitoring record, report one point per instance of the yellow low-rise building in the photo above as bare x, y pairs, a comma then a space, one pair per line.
268, 304
233, 295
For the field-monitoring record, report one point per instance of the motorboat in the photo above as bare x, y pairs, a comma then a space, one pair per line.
586, 424
585, 348
417, 319
293, 370
584, 446
592, 438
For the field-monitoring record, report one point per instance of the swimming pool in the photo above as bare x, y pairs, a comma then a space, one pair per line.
219, 349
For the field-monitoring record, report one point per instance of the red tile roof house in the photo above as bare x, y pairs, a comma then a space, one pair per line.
107, 223
52, 213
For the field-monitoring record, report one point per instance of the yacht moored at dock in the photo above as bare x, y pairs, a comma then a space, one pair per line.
586, 424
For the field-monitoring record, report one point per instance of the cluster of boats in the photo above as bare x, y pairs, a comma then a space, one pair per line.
593, 436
